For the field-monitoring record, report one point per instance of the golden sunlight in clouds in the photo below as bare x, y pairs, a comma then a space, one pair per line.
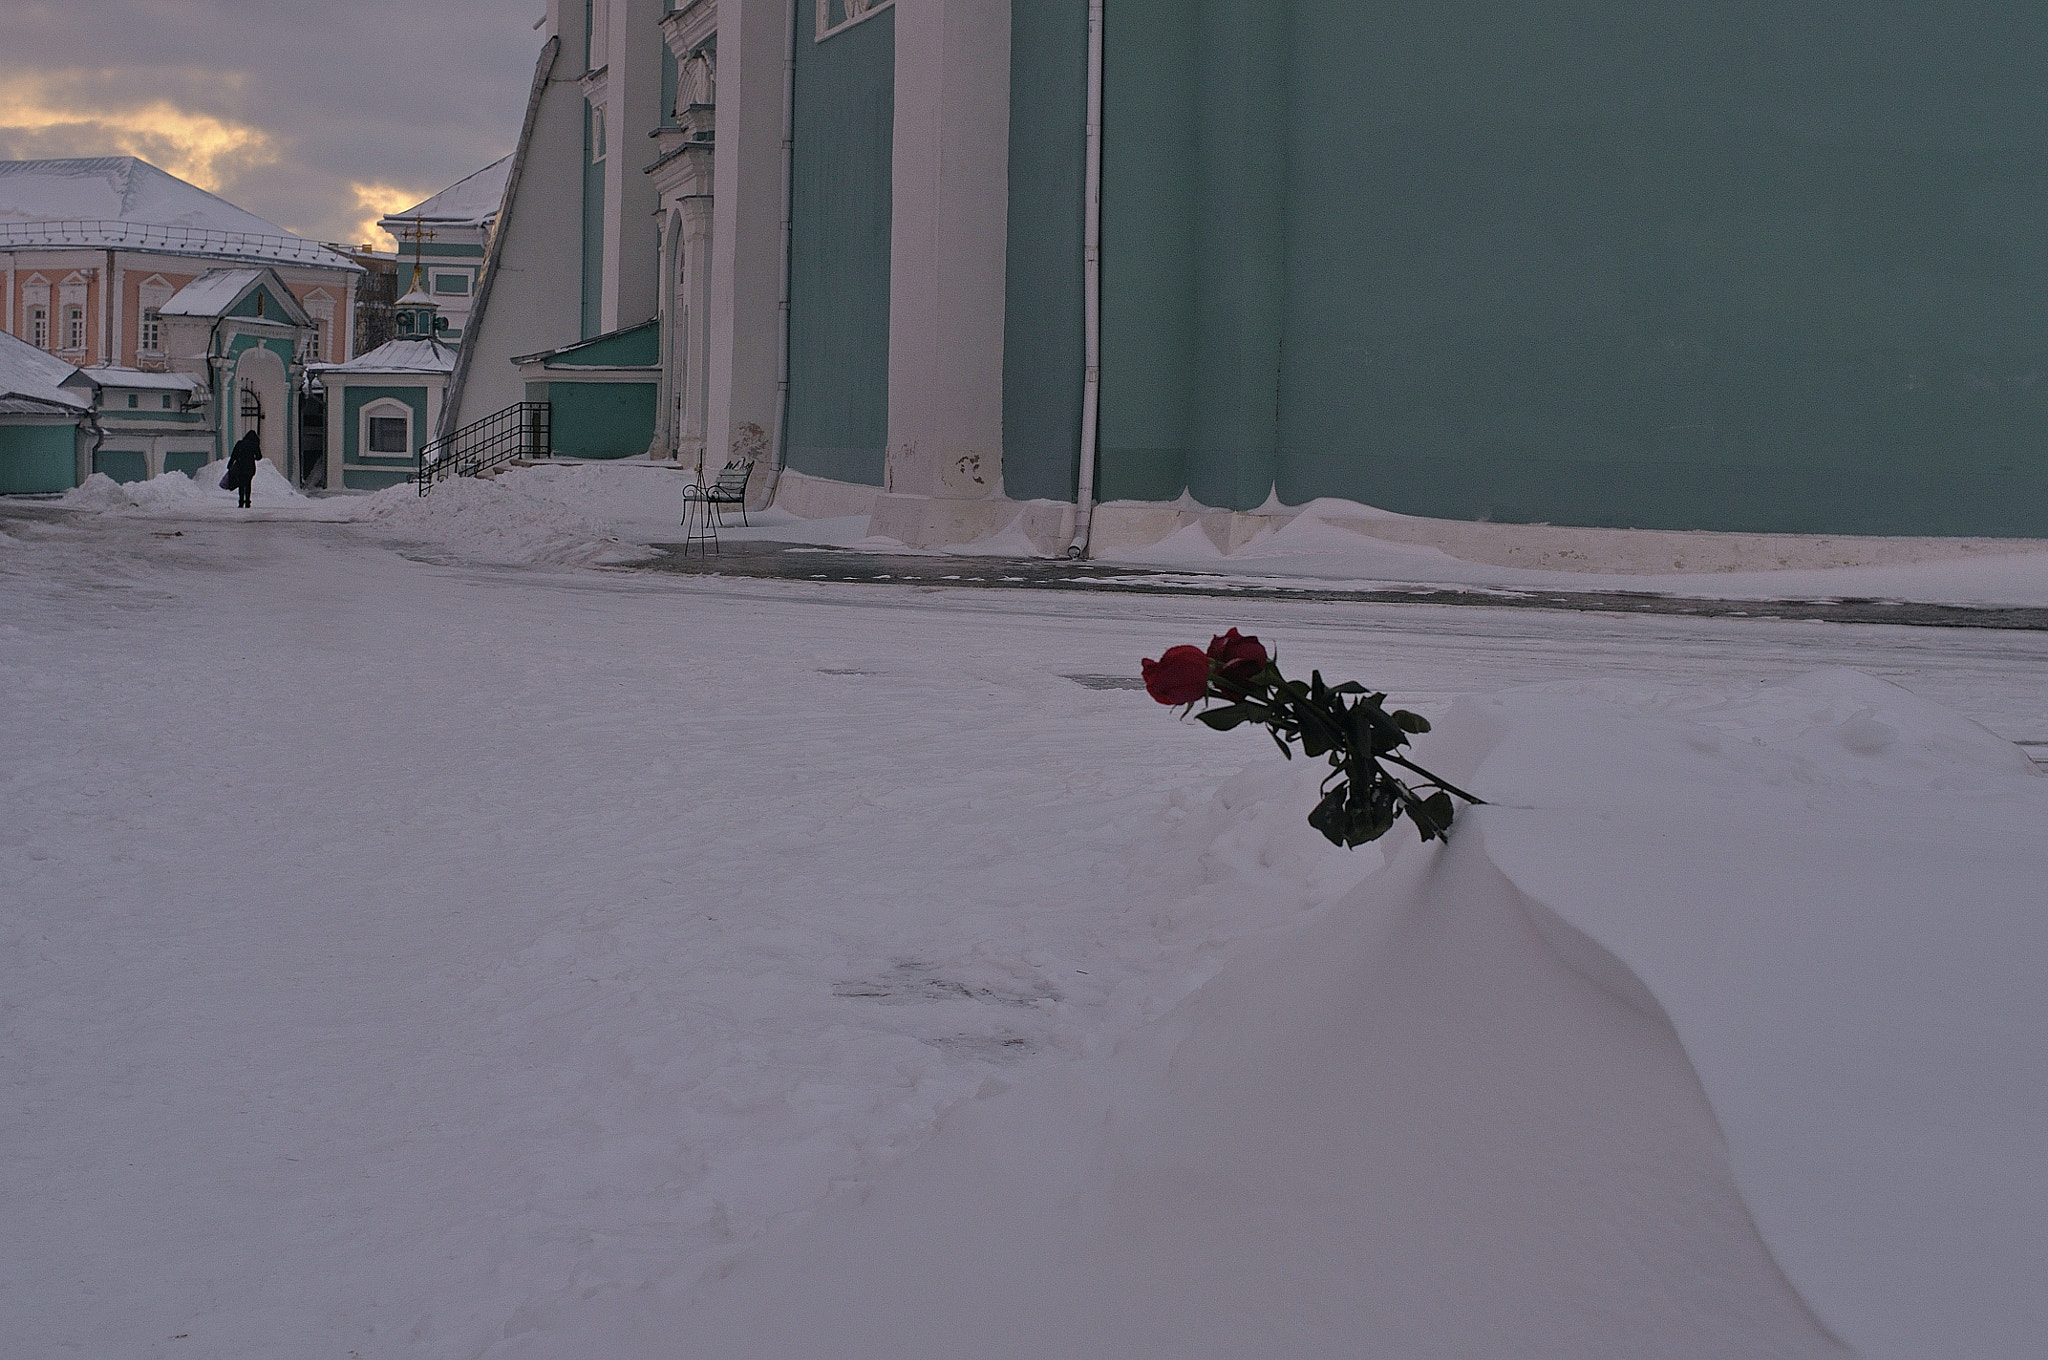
42, 115
375, 200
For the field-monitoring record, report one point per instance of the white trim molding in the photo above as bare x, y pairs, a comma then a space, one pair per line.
384, 408
850, 12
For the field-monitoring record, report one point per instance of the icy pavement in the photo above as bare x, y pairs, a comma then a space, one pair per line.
404, 957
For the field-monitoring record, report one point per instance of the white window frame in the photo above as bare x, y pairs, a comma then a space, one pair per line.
39, 327
152, 331
851, 12
316, 344
74, 329
383, 408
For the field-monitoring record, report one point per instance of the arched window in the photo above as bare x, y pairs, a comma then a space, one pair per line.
39, 327
74, 328
387, 429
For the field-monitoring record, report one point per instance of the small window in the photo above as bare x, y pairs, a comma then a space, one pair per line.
39, 327
456, 284
74, 328
316, 344
152, 331
134, 400
167, 401
388, 434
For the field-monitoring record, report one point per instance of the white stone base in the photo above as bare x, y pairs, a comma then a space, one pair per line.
1046, 528
823, 498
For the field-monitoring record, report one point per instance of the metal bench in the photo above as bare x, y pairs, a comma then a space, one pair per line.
704, 506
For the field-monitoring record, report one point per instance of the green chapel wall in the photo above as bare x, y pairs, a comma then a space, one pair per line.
1043, 344
37, 459
1738, 267
374, 471
840, 210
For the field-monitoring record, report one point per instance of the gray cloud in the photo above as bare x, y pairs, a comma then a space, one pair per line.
393, 92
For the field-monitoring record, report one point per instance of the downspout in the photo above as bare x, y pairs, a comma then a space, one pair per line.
1091, 293
781, 445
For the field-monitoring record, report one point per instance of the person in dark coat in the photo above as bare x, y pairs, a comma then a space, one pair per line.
242, 466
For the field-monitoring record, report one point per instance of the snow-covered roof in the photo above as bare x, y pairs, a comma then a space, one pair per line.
399, 356
108, 375
31, 379
474, 199
121, 202
213, 292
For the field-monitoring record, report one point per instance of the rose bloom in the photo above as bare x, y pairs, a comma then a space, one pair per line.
1238, 658
1181, 676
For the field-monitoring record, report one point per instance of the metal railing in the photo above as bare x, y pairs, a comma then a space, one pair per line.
524, 430
101, 233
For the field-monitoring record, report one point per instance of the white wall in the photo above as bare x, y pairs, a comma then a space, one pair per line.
536, 290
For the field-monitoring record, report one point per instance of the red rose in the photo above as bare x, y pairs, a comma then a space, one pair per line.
1179, 677
1239, 659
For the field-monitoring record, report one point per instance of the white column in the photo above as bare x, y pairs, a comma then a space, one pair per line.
947, 249
746, 231
632, 246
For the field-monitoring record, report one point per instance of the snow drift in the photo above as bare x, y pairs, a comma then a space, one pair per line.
1700, 1041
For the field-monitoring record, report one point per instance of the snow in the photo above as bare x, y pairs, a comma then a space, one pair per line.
474, 198
398, 356
1334, 540
429, 958
26, 371
212, 293
86, 195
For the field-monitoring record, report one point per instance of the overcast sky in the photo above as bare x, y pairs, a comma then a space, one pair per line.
317, 114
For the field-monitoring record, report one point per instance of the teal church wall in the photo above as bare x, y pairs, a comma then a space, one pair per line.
1744, 266
37, 459
187, 461
1043, 346
838, 423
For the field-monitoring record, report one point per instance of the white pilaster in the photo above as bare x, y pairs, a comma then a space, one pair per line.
947, 251
746, 231
632, 110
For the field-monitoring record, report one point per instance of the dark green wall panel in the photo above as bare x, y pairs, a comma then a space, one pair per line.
601, 419
1771, 266
37, 459
838, 422
1043, 350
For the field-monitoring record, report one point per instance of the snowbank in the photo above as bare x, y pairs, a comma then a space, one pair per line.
517, 519
174, 492
1704, 1039
1335, 540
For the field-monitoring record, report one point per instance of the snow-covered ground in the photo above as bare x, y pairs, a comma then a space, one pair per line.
601, 513
416, 958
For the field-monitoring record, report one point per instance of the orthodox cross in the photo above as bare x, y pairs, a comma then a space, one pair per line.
417, 232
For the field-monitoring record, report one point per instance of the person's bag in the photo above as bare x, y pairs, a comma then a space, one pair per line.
227, 481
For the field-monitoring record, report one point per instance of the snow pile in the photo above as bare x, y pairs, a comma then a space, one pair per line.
1479, 1107
516, 519
1338, 540
175, 493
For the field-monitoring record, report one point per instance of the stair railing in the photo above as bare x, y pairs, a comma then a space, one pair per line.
521, 431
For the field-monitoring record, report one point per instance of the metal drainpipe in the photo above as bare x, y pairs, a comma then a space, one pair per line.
1091, 293
781, 443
